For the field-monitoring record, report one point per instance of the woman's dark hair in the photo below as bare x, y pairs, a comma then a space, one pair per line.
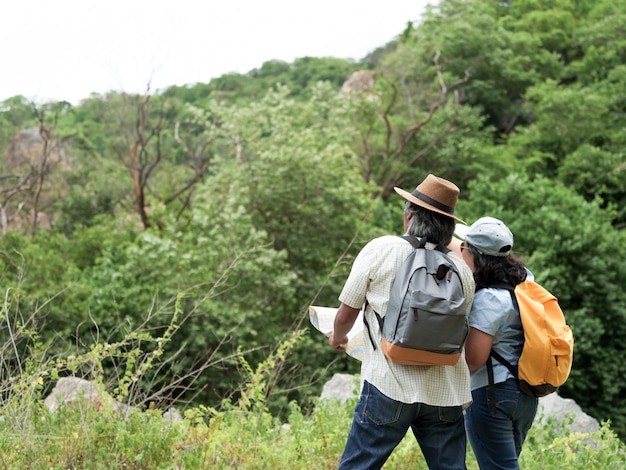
437, 228
489, 270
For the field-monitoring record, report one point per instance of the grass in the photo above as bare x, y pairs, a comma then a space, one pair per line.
82, 436
241, 434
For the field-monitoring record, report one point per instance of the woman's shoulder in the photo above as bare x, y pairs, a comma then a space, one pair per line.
492, 296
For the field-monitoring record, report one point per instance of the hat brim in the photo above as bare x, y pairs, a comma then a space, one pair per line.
418, 202
460, 231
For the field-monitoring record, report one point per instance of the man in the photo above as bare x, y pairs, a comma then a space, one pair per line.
428, 399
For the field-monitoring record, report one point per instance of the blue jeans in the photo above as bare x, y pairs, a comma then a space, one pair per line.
381, 423
497, 438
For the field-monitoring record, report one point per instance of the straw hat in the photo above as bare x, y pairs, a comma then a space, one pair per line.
435, 194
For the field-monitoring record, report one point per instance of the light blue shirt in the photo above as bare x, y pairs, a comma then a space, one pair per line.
494, 313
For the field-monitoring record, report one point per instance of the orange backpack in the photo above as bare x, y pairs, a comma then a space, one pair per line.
547, 354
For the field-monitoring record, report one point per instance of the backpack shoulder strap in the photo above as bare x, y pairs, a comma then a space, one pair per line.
492, 387
367, 324
511, 289
417, 242
513, 369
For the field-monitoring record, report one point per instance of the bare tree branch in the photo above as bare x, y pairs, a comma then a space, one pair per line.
393, 159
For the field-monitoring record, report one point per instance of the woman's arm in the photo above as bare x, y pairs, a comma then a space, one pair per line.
477, 348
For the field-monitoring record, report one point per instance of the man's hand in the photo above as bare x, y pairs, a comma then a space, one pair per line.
340, 344
344, 320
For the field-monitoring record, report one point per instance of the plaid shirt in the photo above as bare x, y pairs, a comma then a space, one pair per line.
371, 277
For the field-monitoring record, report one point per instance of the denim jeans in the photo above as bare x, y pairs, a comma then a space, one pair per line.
381, 423
497, 438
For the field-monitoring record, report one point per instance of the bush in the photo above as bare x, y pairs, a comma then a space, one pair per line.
242, 433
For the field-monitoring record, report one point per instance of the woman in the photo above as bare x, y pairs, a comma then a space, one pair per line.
496, 431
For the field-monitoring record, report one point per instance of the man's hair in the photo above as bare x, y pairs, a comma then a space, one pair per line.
489, 270
436, 227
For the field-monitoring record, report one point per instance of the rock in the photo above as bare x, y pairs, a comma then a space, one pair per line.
564, 410
69, 390
172, 416
33, 157
361, 82
341, 387
28, 149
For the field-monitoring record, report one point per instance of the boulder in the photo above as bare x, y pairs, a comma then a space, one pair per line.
70, 390
172, 416
29, 149
341, 387
564, 410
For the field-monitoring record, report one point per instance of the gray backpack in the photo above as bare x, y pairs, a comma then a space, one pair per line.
426, 319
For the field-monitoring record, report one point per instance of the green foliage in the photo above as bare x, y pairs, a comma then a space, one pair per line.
421, 116
232, 282
16, 114
296, 178
257, 190
75, 436
559, 109
242, 434
239, 89
577, 138
551, 82
88, 201
255, 394
80, 436
499, 74
309, 140
594, 173
553, 446
228, 253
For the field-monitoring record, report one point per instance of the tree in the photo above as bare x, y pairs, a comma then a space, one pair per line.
16, 114
503, 60
141, 149
550, 83
411, 119
156, 140
32, 176
239, 89
290, 170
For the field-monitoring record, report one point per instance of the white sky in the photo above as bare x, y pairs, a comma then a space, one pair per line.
67, 49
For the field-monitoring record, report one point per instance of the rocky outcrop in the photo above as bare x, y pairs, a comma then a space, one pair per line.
361, 82
29, 149
32, 168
